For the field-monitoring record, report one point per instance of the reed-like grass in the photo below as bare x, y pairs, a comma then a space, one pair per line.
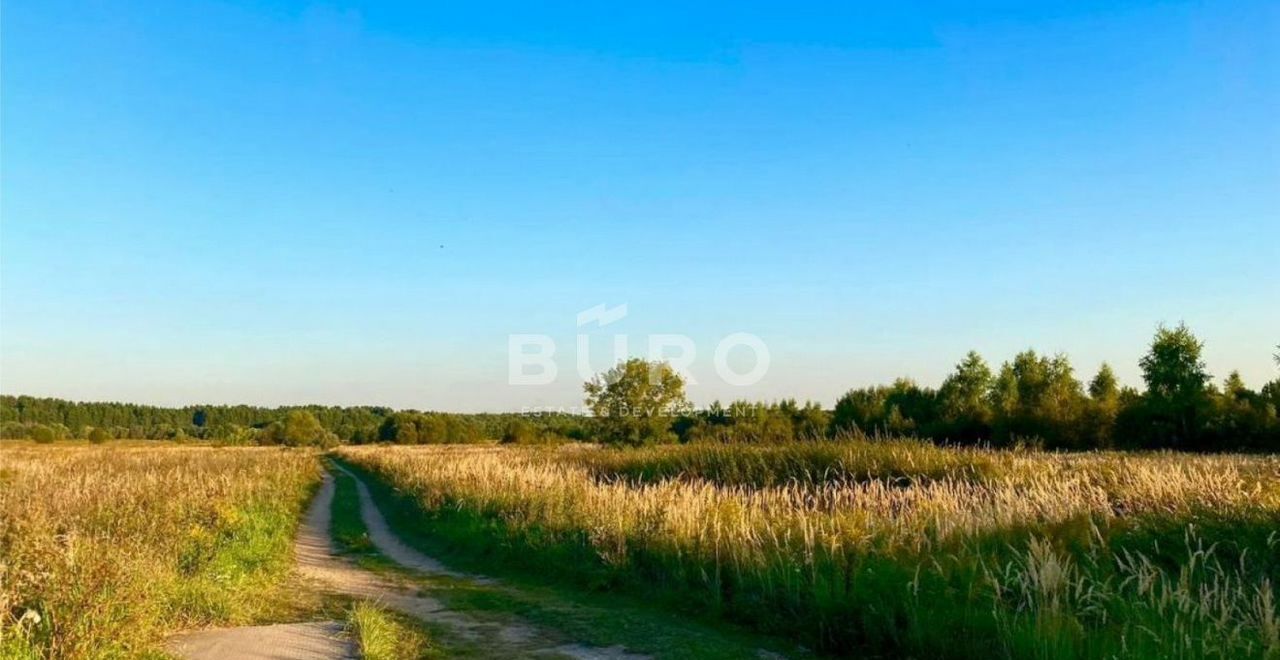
104, 550
901, 462
979, 554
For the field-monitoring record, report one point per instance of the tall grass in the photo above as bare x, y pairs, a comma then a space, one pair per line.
902, 462
103, 550
982, 554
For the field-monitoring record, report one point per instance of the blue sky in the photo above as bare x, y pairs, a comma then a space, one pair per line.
343, 203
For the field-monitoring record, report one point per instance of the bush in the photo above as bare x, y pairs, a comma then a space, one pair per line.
414, 428
42, 434
98, 436
519, 431
14, 430
747, 422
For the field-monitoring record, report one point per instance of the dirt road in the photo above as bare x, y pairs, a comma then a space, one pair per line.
325, 640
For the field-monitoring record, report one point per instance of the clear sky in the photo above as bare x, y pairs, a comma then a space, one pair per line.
357, 203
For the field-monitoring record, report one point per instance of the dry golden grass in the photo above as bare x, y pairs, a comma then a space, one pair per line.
1016, 555
104, 549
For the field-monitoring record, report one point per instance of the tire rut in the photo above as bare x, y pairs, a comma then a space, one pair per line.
328, 640
317, 561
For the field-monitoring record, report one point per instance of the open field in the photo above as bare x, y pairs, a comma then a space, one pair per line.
105, 550
130, 550
891, 549
887, 548
639, 331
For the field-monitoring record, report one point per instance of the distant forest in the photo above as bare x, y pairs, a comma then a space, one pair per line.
1031, 400
25, 416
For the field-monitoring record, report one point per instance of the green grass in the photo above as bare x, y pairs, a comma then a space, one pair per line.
571, 615
232, 574
383, 635
1042, 556
345, 525
109, 550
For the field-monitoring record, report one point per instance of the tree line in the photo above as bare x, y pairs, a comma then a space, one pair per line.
50, 419
1032, 399
1038, 399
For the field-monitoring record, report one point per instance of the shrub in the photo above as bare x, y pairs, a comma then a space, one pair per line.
519, 431
413, 428
14, 430
42, 434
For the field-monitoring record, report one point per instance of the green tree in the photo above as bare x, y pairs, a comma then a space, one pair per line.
964, 407
412, 427
1104, 386
1242, 418
1038, 397
301, 428
400, 428
1234, 388
518, 431
232, 434
433, 429
298, 429
635, 402
1177, 386
42, 434
759, 422
98, 435
860, 410
902, 408
1103, 407
810, 421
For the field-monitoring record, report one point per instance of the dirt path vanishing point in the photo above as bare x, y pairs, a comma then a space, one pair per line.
390, 545
324, 640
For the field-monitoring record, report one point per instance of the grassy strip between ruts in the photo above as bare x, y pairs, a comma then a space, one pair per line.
594, 619
383, 635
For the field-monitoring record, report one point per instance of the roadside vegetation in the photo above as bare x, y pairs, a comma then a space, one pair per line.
104, 551
514, 616
992, 554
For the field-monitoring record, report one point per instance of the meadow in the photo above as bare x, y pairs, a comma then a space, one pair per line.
104, 550
881, 547
886, 548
